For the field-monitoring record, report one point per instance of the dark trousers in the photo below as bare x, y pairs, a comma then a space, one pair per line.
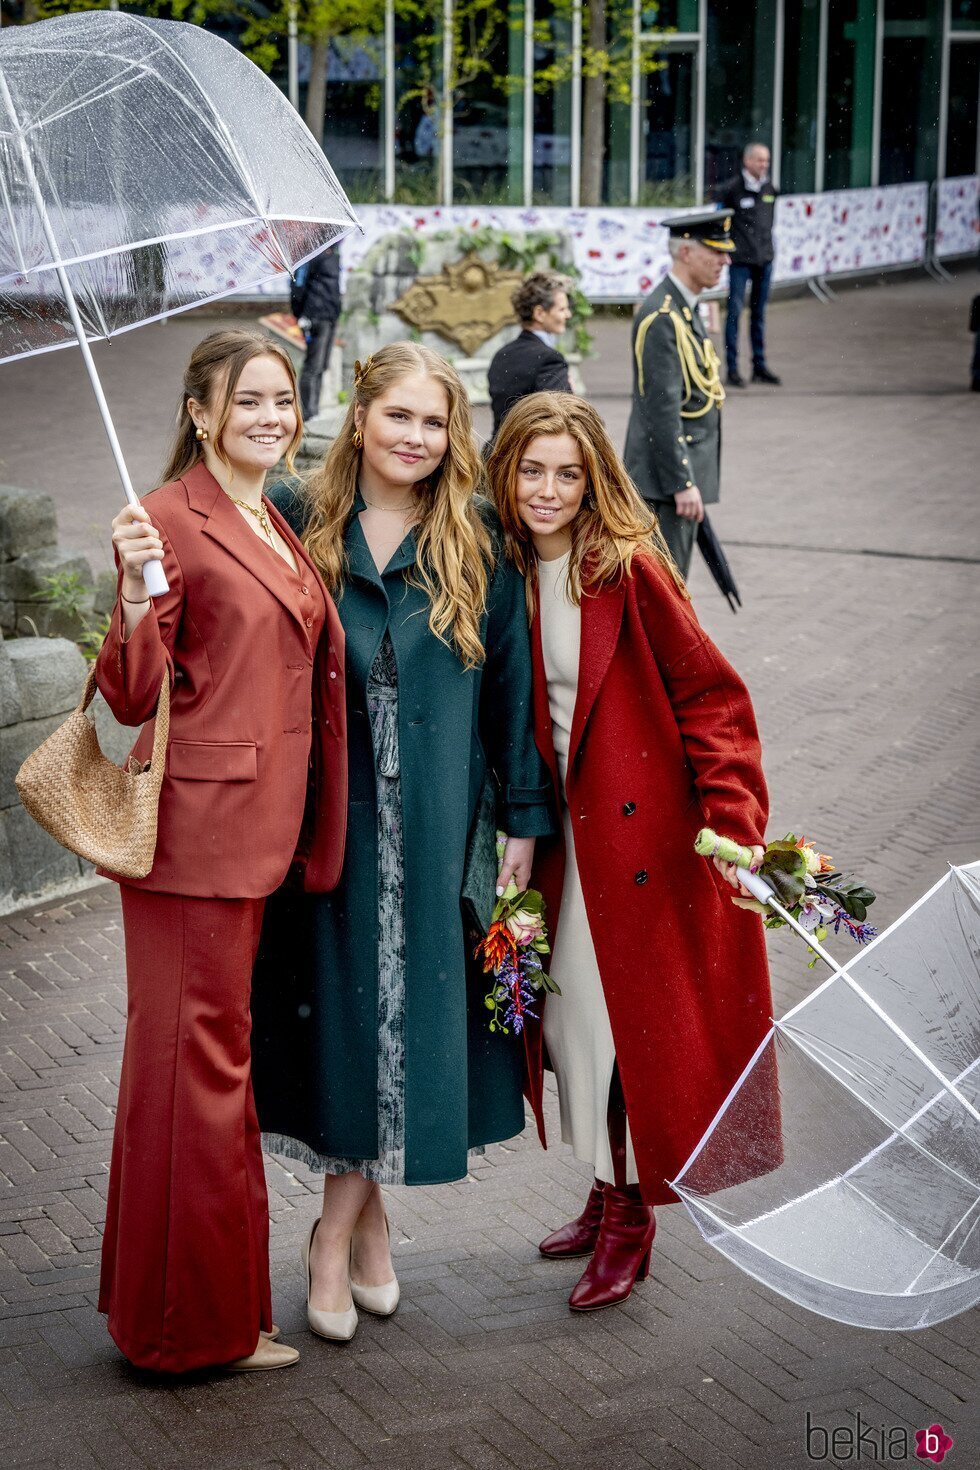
318, 348
975, 366
739, 277
679, 533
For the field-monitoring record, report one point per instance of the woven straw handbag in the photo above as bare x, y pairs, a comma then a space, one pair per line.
104, 813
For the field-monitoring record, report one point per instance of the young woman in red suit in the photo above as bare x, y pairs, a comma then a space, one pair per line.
649, 735
254, 650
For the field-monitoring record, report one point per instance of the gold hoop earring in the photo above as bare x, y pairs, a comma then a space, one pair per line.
357, 439
200, 435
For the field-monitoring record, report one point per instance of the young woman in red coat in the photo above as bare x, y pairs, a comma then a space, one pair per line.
650, 735
251, 641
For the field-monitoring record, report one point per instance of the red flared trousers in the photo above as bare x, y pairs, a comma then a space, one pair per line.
185, 1258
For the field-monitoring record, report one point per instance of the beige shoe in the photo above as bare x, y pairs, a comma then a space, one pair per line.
267, 1355
336, 1326
270, 1336
381, 1301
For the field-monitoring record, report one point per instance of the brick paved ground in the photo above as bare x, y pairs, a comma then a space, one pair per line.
870, 716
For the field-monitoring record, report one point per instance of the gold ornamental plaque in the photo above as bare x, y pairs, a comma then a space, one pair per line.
468, 303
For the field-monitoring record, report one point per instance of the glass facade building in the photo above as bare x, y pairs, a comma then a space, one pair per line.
846, 93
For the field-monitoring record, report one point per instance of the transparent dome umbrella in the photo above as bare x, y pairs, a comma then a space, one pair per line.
871, 1214
146, 167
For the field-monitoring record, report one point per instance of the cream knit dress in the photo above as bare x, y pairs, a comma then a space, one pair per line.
576, 1023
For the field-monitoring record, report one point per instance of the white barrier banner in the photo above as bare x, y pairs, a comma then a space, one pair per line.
958, 216
877, 227
621, 254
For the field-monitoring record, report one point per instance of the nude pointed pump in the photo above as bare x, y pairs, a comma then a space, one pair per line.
381, 1301
267, 1355
337, 1326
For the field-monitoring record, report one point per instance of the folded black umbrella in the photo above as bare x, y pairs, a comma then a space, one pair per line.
714, 554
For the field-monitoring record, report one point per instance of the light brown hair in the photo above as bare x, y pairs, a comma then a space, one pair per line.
211, 378
453, 547
614, 524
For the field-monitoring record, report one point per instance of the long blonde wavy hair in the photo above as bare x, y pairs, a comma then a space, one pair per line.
614, 524
454, 551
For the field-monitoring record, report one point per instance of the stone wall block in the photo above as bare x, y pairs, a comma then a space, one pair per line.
34, 860
50, 674
16, 744
10, 710
25, 580
27, 521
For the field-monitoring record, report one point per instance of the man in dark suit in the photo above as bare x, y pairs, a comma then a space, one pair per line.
751, 197
532, 362
315, 303
673, 442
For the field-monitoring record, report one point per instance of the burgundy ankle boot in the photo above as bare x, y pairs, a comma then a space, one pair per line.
622, 1252
578, 1237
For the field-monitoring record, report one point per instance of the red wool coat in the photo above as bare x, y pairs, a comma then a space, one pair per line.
663, 742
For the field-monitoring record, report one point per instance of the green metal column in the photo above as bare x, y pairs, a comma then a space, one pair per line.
862, 119
561, 127
515, 104
760, 124
617, 191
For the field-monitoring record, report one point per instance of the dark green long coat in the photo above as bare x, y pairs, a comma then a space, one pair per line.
315, 992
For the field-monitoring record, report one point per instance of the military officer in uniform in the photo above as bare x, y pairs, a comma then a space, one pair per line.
673, 442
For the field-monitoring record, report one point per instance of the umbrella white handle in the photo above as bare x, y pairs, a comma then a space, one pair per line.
155, 578
758, 887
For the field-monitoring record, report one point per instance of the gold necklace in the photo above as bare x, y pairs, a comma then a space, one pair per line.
391, 509
259, 512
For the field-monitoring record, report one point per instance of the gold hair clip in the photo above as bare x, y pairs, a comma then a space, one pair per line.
361, 371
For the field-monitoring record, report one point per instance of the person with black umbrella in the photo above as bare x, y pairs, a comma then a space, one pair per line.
673, 442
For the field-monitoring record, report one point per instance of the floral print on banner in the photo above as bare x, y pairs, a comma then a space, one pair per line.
621, 254
958, 216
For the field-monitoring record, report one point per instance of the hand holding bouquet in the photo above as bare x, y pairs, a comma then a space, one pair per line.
804, 881
511, 953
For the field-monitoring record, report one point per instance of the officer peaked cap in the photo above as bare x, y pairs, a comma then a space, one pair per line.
710, 227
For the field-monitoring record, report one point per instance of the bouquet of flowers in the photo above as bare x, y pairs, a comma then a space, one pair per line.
805, 882
511, 952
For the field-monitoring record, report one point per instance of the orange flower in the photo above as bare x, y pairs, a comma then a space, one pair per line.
498, 945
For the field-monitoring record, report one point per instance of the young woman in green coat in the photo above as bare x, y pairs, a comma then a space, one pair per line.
372, 1057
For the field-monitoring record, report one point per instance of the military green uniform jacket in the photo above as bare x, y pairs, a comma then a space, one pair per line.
674, 436
315, 992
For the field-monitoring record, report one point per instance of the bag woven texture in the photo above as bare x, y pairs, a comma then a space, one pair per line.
104, 813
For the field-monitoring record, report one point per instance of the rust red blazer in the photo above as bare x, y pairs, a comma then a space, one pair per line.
258, 716
663, 742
